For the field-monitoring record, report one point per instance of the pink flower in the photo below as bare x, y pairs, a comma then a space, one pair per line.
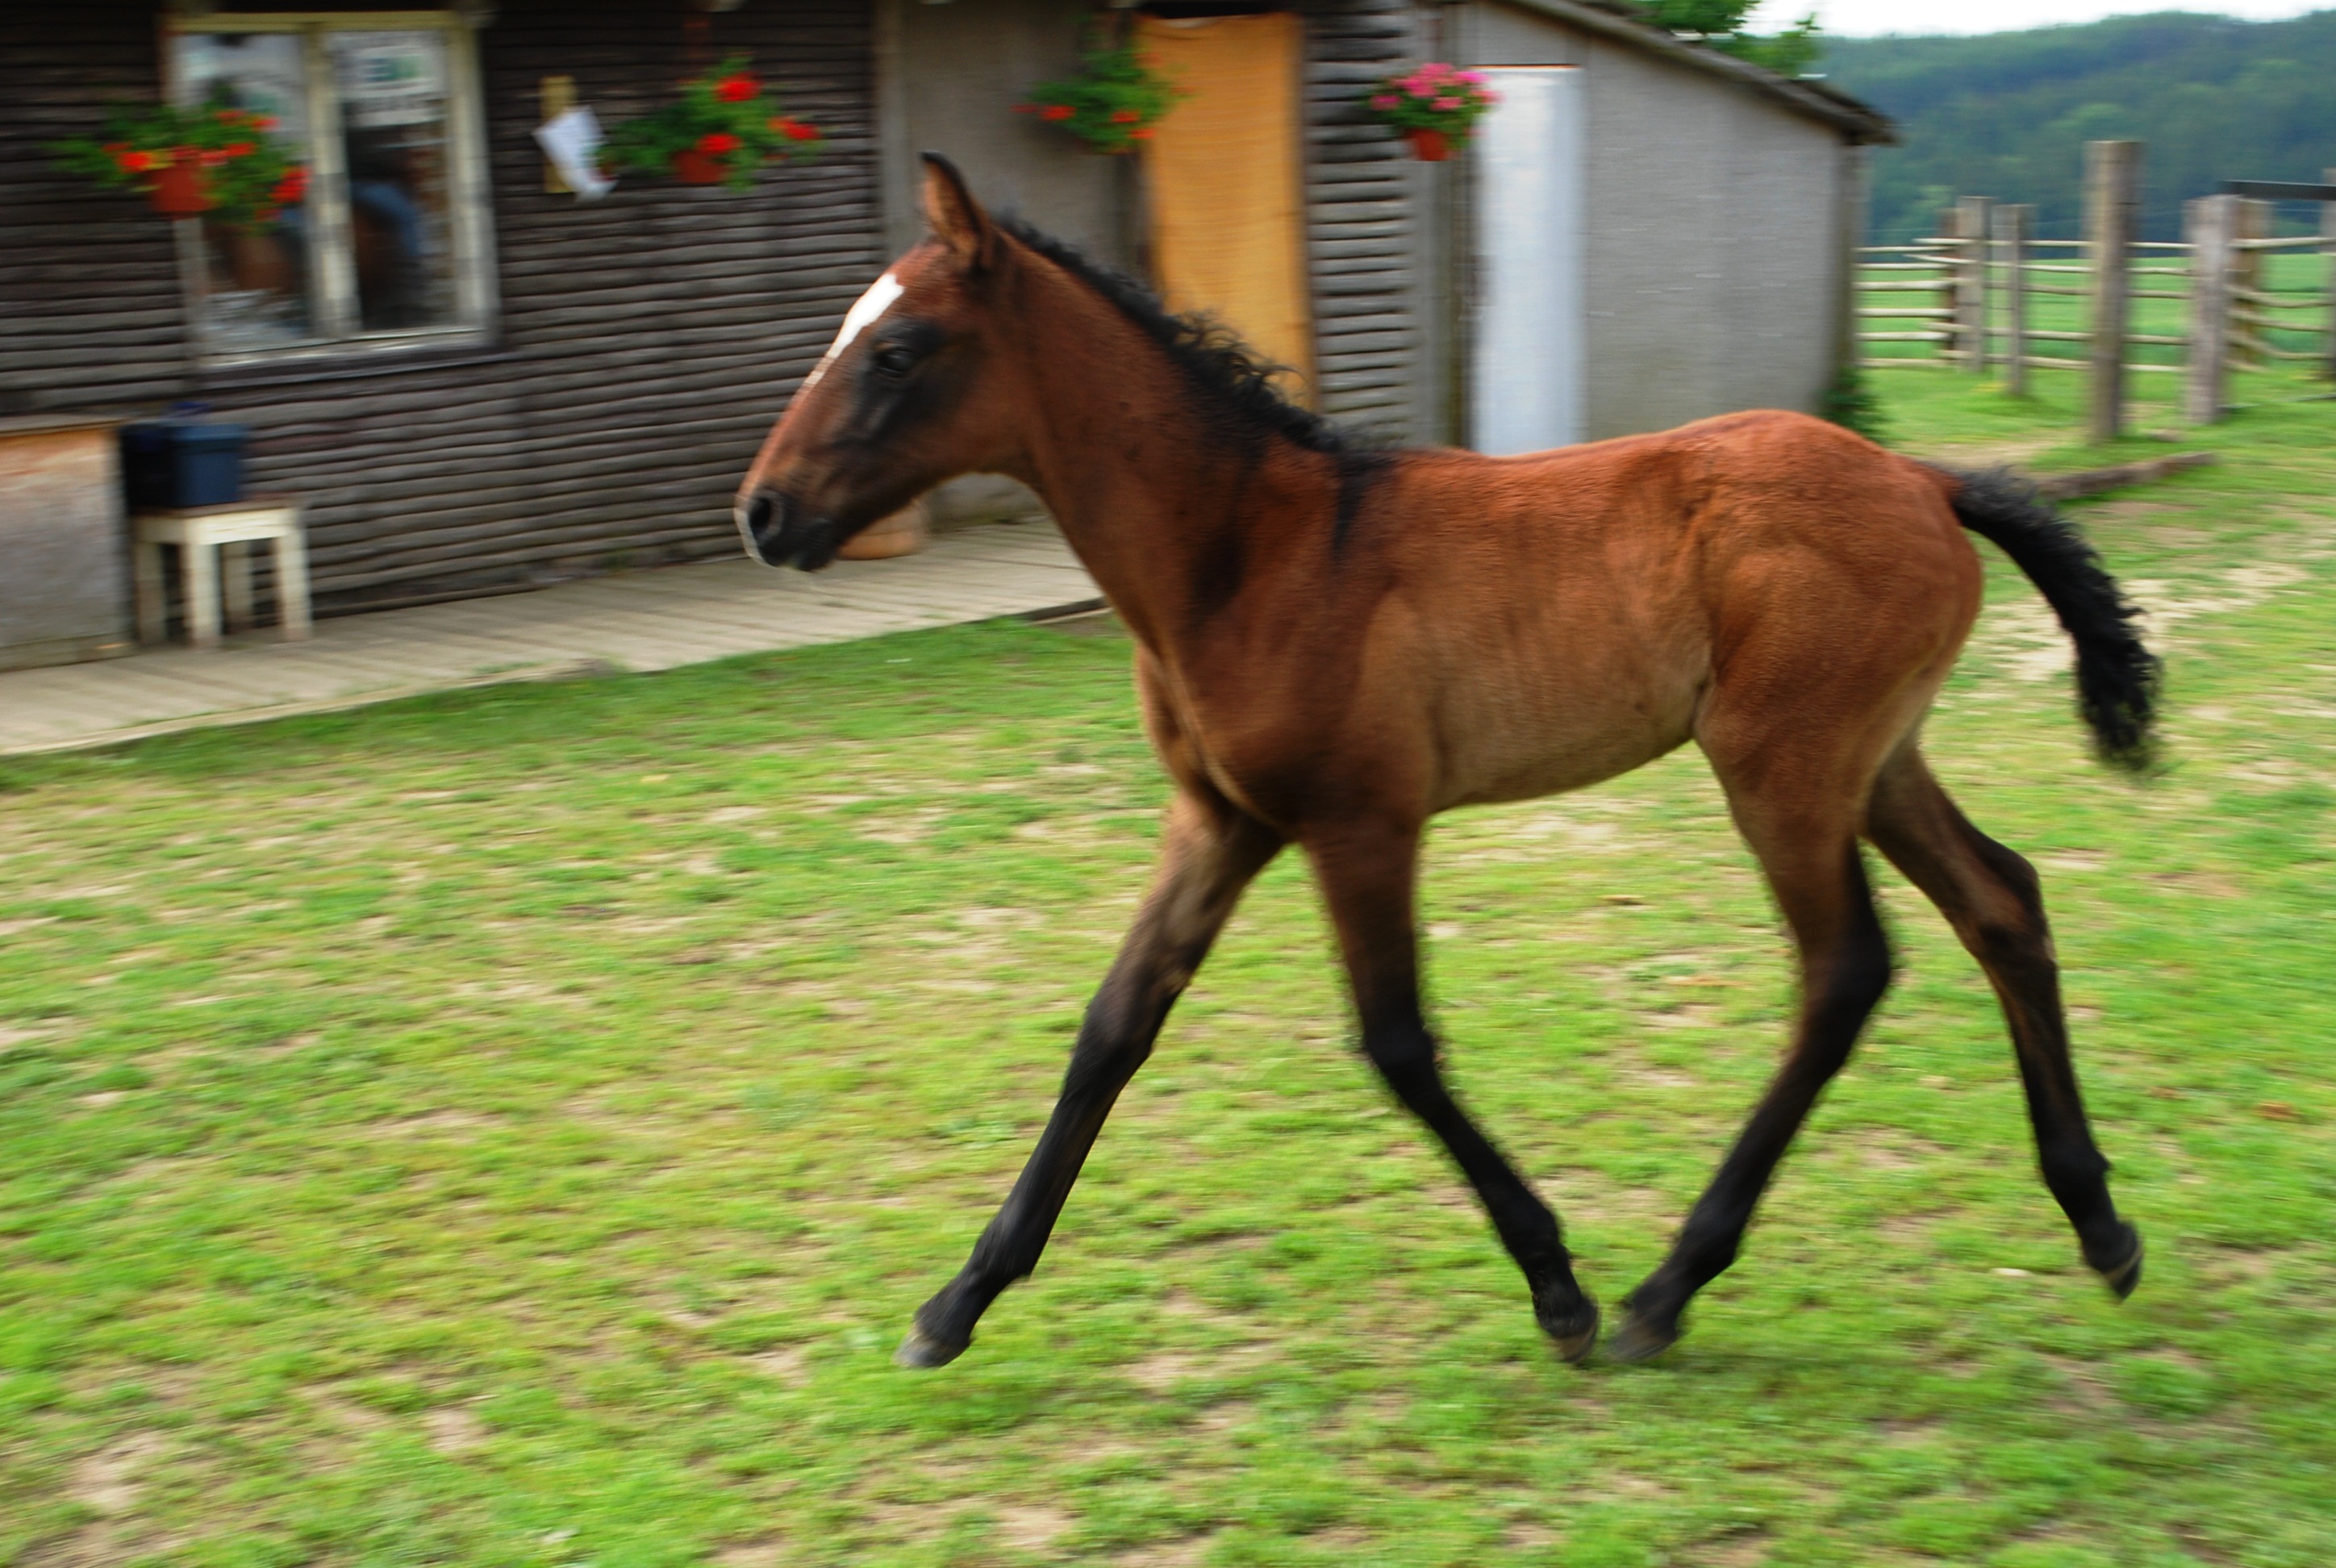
1386, 101
1472, 78
1446, 103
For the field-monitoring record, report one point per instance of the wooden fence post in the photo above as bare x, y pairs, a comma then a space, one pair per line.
2253, 221
2110, 190
2328, 250
2011, 223
1950, 230
1970, 280
2209, 223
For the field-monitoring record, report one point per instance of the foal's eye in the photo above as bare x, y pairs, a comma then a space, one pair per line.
894, 360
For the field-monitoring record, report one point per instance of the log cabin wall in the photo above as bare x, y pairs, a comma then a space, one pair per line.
643, 344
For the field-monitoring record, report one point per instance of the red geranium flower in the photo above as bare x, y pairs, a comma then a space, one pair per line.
1125, 117
799, 130
263, 122
240, 148
717, 142
735, 89
138, 162
1056, 112
1141, 134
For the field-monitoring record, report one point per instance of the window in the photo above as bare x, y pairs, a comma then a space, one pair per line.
390, 247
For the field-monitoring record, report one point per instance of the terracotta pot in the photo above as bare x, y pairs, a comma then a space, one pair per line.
905, 532
695, 167
1429, 146
178, 188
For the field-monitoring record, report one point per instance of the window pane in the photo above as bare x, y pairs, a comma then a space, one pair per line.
395, 134
256, 285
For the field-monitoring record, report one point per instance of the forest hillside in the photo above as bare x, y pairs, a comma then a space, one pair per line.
2006, 114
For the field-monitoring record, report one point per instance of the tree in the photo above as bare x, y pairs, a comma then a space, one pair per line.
1720, 24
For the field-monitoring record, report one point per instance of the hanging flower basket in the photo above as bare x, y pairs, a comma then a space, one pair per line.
216, 160
720, 131
1436, 107
1111, 104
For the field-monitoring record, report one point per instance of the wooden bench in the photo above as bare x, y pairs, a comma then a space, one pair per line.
215, 564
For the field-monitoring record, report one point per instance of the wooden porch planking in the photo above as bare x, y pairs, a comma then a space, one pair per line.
644, 620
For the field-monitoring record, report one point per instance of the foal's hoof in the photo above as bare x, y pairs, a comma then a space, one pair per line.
2122, 1277
921, 1349
1641, 1338
1573, 1330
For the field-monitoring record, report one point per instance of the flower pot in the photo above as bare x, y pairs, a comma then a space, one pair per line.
178, 188
905, 532
1429, 146
695, 167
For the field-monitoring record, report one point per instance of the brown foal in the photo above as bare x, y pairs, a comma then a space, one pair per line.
1334, 643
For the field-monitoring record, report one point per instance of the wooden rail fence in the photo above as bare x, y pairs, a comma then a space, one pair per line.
1985, 295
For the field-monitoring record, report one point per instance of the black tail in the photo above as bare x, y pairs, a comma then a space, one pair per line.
2117, 677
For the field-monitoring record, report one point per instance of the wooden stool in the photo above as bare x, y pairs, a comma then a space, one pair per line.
229, 530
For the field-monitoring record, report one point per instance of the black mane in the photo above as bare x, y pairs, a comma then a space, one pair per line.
1223, 369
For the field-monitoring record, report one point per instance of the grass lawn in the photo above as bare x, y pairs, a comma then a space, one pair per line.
514, 1127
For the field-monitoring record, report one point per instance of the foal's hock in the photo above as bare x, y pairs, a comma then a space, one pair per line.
1335, 642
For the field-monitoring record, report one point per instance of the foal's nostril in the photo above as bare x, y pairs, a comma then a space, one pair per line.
758, 515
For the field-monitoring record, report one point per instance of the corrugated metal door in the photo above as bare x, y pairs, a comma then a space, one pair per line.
1525, 383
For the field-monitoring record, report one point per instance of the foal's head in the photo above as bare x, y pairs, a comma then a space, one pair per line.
919, 387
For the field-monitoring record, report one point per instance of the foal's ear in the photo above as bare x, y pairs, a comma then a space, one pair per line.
956, 218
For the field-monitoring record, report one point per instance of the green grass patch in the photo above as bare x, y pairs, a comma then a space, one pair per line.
513, 1129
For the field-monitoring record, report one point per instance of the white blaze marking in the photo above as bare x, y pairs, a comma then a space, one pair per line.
865, 310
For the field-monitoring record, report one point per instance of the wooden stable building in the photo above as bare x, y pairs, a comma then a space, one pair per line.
476, 381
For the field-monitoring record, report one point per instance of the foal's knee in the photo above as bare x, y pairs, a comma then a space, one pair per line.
1404, 1051
2005, 929
1854, 978
1114, 1040
1865, 970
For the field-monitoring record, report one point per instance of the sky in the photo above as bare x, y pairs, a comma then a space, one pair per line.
1867, 18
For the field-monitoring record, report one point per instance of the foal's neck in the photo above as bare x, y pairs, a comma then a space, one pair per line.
1174, 507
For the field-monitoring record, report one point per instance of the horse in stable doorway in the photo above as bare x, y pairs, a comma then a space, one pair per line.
1337, 641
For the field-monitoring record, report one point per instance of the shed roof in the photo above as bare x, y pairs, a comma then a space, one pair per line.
1858, 123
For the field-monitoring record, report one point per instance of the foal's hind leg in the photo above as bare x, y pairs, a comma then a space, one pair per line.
1990, 896
1808, 849
1367, 873
1211, 854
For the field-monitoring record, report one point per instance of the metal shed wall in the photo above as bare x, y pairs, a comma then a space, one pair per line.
1715, 245
644, 343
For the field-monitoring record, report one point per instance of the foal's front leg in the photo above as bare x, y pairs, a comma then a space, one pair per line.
1210, 853
1366, 876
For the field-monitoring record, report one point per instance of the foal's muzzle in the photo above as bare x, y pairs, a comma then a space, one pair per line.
776, 533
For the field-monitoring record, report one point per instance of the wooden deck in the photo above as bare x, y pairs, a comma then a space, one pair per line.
641, 620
